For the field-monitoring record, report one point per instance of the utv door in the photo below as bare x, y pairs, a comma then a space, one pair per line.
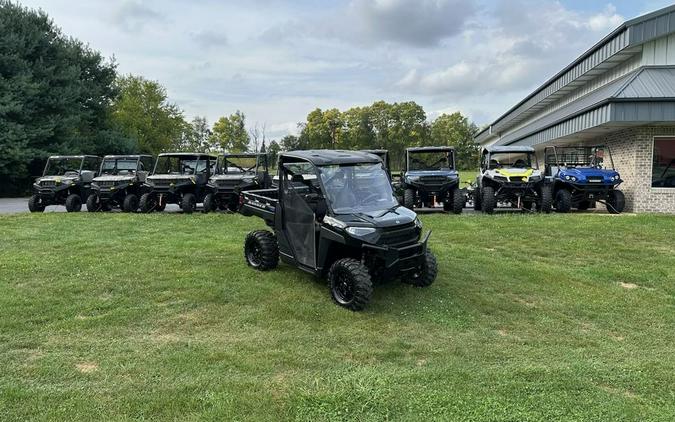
298, 219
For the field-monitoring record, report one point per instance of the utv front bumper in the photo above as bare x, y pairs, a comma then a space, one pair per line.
434, 188
399, 260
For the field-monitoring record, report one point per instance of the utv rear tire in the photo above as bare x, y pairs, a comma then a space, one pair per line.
458, 200
476, 199
350, 284
426, 274
73, 203
563, 201
130, 203
488, 200
209, 203
616, 202
93, 204
34, 204
546, 200
409, 199
148, 203
188, 203
261, 250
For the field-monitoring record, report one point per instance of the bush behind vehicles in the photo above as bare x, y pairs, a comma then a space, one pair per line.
430, 177
236, 173
66, 180
344, 224
119, 183
178, 178
582, 175
511, 174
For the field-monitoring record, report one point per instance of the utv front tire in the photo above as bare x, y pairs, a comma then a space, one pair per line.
148, 203
130, 203
616, 202
34, 204
350, 284
563, 201
409, 199
261, 250
209, 203
93, 204
458, 200
188, 203
546, 200
73, 203
426, 274
488, 200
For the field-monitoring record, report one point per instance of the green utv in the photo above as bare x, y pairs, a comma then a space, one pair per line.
236, 173
343, 223
511, 175
66, 180
119, 183
178, 178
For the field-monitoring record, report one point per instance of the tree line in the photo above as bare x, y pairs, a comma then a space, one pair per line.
59, 96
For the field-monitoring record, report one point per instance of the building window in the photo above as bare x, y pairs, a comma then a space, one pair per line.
663, 168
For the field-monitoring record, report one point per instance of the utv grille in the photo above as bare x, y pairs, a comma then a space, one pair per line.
105, 183
434, 180
400, 235
517, 179
228, 183
164, 182
48, 183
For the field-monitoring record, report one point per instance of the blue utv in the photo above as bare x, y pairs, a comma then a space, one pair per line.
582, 176
430, 177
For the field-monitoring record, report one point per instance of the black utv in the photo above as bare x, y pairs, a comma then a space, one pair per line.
236, 173
119, 183
178, 178
344, 224
511, 175
430, 177
66, 180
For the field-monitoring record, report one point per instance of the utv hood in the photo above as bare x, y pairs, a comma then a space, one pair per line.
116, 179
418, 173
398, 216
170, 177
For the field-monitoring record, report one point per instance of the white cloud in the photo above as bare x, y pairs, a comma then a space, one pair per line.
607, 20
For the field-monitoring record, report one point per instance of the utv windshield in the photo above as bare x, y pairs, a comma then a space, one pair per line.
61, 166
588, 157
433, 160
240, 164
181, 165
512, 159
112, 166
357, 188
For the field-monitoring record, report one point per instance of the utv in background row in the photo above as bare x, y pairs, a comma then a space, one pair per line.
236, 173
430, 177
66, 180
178, 178
120, 183
510, 174
581, 176
344, 223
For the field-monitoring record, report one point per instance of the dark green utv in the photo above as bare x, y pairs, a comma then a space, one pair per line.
119, 183
66, 180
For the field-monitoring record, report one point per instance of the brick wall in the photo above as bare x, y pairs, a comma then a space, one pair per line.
632, 154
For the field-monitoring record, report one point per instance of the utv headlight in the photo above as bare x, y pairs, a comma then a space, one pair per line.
567, 178
574, 179
360, 231
334, 222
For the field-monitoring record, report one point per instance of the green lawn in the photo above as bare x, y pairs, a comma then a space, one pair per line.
157, 317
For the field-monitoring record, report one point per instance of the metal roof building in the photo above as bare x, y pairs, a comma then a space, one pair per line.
621, 93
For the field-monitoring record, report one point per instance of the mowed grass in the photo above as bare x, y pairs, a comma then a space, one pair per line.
157, 317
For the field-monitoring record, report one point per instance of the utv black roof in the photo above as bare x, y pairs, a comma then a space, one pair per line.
508, 148
127, 156
243, 154
375, 151
323, 157
74, 156
187, 154
430, 149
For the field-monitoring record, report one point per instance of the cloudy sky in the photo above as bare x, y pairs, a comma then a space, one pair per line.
277, 60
